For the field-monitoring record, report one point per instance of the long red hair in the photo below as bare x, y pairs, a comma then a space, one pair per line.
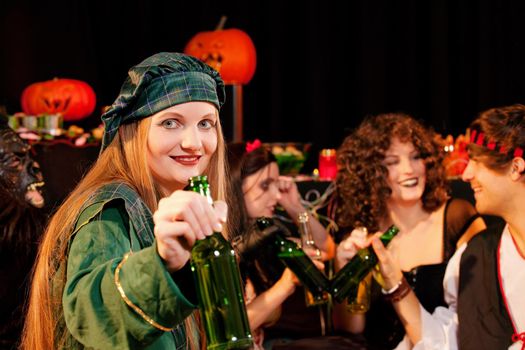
123, 161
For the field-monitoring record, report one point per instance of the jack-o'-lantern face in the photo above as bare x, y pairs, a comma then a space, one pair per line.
74, 99
230, 52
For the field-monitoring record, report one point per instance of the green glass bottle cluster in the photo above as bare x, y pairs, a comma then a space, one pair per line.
344, 284
219, 287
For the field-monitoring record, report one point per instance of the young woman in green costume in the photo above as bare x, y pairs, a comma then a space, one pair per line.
113, 268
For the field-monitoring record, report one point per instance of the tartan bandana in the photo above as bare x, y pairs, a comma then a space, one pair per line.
159, 82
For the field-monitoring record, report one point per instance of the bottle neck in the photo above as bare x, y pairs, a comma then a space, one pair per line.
200, 185
389, 234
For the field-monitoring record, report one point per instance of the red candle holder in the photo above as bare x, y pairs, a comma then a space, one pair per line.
327, 164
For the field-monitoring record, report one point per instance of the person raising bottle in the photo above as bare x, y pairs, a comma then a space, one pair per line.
485, 279
113, 269
257, 188
391, 173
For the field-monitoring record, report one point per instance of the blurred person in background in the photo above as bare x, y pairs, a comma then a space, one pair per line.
257, 189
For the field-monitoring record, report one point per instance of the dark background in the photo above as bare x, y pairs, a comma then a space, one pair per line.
322, 65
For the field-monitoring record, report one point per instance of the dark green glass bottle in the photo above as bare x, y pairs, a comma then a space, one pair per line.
297, 261
219, 289
346, 281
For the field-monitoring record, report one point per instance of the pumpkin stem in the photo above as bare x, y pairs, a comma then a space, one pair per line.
222, 22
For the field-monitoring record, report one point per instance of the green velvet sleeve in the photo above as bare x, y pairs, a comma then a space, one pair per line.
95, 312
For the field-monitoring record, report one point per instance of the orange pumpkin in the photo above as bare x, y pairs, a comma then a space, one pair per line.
230, 51
74, 99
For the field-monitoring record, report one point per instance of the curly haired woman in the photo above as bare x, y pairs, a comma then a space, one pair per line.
391, 172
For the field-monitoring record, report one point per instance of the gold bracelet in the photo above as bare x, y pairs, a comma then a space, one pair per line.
130, 303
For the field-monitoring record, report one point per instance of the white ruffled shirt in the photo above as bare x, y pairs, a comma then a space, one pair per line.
439, 329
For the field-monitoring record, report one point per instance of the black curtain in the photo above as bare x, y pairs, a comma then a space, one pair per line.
322, 65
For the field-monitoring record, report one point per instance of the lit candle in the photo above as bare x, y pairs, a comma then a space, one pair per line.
327, 164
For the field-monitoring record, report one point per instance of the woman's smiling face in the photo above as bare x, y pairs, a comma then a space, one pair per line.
181, 141
406, 172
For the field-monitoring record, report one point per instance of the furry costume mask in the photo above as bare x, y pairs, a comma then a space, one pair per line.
20, 175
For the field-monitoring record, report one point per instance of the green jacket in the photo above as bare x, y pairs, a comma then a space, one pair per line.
98, 315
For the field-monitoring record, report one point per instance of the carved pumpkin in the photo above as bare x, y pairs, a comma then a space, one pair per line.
74, 99
230, 51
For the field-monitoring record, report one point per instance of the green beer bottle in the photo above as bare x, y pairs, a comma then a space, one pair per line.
297, 261
219, 289
346, 281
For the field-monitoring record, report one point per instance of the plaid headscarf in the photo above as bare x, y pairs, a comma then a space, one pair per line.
161, 81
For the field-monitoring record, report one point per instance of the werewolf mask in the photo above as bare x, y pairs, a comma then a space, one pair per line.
20, 176
21, 226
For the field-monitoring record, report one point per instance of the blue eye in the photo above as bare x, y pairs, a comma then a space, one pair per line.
170, 123
206, 124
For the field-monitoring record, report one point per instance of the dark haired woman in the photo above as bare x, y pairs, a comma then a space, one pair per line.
391, 172
257, 189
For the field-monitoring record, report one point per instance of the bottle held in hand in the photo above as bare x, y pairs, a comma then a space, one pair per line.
346, 282
297, 261
359, 299
219, 289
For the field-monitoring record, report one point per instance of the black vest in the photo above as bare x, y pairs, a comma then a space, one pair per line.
483, 319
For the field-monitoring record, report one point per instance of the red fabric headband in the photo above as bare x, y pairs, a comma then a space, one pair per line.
479, 138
